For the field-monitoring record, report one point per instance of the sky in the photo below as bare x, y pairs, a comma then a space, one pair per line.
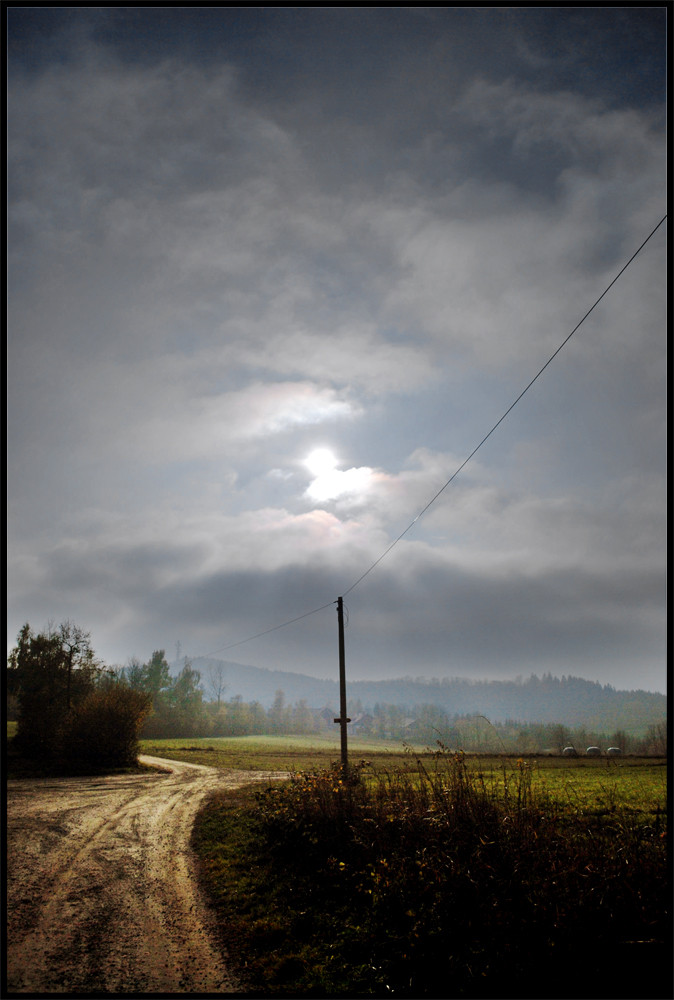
273, 275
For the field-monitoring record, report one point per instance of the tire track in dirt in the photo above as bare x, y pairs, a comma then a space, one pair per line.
101, 887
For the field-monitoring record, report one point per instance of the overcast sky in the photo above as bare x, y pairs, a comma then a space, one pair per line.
275, 272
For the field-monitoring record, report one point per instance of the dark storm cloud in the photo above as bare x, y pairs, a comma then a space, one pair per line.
607, 52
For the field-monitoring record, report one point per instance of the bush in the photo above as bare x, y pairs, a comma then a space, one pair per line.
103, 730
438, 881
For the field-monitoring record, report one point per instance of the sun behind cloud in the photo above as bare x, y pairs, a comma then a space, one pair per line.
329, 482
321, 461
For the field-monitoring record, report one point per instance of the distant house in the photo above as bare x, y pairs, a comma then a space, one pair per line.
362, 723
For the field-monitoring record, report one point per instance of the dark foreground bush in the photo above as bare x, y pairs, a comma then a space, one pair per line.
102, 731
438, 883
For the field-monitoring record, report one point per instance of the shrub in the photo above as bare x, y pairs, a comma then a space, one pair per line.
440, 879
103, 730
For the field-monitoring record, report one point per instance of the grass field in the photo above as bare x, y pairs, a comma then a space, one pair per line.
265, 753
587, 785
440, 874
431, 874
329, 890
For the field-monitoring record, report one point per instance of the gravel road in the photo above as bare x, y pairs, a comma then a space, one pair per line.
101, 887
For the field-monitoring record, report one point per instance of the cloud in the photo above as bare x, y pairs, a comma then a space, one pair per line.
220, 261
337, 483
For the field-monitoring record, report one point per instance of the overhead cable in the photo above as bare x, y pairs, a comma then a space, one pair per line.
274, 628
465, 462
504, 415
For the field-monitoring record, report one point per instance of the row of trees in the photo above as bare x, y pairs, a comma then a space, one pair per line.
177, 702
74, 710
179, 707
72, 707
426, 724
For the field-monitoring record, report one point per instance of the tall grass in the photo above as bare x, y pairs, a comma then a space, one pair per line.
437, 880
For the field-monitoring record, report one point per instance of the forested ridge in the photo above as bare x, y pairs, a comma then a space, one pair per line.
63, 697
570, 700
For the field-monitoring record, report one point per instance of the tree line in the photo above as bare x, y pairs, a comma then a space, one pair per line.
71, 708
429, 724
72, 712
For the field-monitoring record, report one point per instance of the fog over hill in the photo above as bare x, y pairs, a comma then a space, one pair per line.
570, 700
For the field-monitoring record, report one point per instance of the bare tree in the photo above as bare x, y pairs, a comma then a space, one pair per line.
216, 680
657, 738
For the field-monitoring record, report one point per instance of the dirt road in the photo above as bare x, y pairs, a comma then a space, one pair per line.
101, 888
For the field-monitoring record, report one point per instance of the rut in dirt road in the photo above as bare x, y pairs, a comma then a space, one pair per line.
101, 887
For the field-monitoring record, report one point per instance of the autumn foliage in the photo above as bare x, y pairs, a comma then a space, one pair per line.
102, 731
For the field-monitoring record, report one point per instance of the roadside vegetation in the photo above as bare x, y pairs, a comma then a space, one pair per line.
73, 715
440, 874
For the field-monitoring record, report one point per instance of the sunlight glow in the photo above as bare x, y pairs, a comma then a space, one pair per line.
329, 482
320, 462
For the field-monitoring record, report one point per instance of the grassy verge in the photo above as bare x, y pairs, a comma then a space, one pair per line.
440, 878
266, 753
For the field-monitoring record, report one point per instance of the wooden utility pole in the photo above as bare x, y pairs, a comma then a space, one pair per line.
342, 720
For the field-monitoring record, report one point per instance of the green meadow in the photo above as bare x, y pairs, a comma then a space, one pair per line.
576, 784
269, 753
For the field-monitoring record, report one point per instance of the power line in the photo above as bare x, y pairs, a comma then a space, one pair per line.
465, 462
504, 415
266, 631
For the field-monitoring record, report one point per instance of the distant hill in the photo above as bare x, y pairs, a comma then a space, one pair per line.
571, 701
261, 684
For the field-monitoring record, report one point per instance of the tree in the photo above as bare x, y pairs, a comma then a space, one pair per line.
257, 718
430, 724
76, 646
216, 680
622, 740
185, 692
302, 718
558, 736
656, 739
133, 674
49, 672
185, 702
177, 703
156, 678
278, 713
238, 722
